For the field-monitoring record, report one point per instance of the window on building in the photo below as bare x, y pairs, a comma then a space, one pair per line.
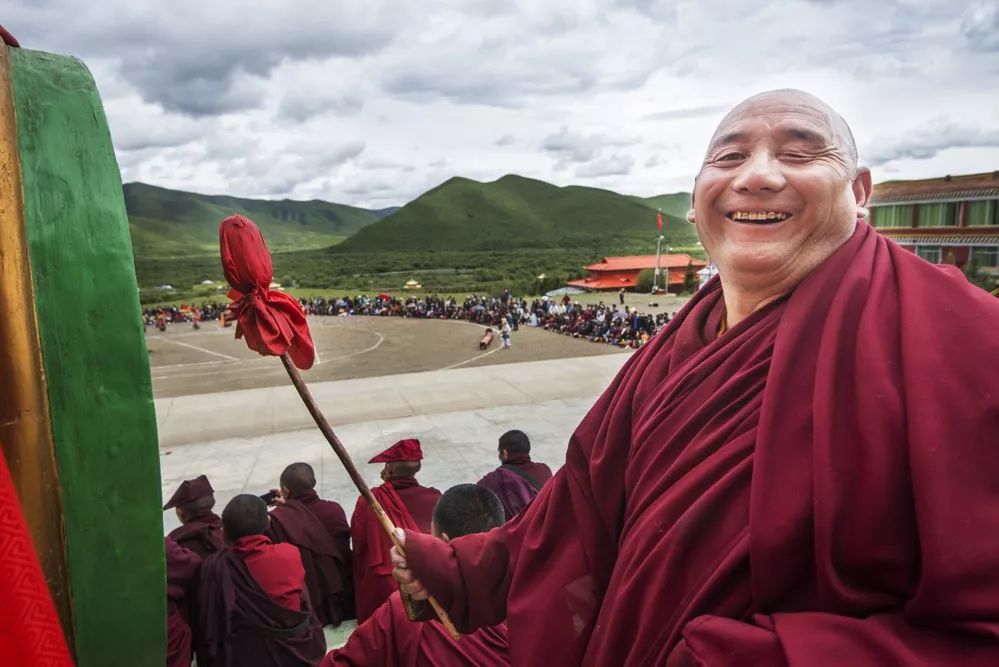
983, 213
892, 216
987, 257
931, 253
938, 215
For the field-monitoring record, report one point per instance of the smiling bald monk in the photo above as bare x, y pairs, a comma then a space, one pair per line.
799, 470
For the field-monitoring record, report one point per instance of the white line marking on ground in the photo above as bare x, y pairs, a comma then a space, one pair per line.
381, 339
174, 367
200, 349
466, 361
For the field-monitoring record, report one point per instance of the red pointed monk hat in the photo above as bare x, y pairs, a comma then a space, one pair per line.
190, 489
271, 322
404, 450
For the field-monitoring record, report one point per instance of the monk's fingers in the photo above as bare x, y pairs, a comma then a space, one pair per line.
415, 590
398, 560
401, 536
403, 576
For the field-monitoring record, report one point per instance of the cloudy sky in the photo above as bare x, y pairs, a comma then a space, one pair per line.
372, 102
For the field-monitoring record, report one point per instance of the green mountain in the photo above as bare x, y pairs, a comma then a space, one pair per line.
169, 223
516, 212
676, 204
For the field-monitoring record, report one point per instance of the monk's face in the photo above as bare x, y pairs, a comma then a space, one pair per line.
779, 190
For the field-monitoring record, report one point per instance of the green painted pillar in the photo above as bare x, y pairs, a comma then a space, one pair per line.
96, 368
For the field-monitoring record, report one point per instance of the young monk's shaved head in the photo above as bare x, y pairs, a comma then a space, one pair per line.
298, 478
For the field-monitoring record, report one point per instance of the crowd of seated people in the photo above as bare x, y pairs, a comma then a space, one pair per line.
600, 323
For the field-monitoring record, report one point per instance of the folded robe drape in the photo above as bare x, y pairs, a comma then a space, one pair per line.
410, 506
815, 487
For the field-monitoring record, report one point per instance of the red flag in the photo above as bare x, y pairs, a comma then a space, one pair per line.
30, 633
272, 322
659, 220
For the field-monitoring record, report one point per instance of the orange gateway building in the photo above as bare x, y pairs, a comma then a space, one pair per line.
613, 273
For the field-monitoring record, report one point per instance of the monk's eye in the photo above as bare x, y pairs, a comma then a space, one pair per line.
730, 157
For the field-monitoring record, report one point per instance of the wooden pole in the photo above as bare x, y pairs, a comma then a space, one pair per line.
362, 486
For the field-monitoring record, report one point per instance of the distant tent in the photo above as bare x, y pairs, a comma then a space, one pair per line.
412, 284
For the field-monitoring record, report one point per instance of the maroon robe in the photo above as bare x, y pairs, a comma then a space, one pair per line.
408, 505
389, 639
815, 487
202, 535
517, 482
245, 625
334, 519
294, 523
181, 571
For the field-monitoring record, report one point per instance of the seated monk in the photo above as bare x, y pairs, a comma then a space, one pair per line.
519, 479
182, 567
487, 339
253, 604
323, 542
389, 639
407, 504
799, 470
200, 529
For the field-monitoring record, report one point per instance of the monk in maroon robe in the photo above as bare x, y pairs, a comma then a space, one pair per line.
519, 479
799, 470
294, 522
181, 571
254, 608
298, 483
389, 639
407, 504
200, 529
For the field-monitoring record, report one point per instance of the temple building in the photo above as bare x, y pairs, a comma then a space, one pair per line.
613, 273
946, 220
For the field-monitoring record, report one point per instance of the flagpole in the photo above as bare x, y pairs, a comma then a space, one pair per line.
659, 243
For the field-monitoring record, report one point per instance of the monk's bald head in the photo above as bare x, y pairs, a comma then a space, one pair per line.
298, 478
798, 101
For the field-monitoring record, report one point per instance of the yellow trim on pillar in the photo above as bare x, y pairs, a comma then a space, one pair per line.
25, 423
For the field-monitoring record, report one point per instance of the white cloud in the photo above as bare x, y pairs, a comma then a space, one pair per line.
374, 103
613, 165
929, 141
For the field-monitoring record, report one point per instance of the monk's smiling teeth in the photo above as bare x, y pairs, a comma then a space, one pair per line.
758, 217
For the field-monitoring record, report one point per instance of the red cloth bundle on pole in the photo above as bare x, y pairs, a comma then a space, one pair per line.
271, 322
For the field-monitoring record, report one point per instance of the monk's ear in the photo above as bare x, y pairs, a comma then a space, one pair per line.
862, 189
690, 214
447, 540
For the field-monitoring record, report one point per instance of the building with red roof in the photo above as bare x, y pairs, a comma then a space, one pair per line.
946, 220
613, 273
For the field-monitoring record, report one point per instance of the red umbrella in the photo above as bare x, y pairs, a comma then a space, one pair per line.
385, 296
273, 324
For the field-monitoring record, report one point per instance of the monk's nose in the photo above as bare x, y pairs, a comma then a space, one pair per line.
759, 173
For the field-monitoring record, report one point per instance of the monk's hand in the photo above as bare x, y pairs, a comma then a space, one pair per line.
408, 583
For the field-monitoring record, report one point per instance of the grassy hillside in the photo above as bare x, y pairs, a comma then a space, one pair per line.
169, 223
461, 237
676, 204
514, 212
